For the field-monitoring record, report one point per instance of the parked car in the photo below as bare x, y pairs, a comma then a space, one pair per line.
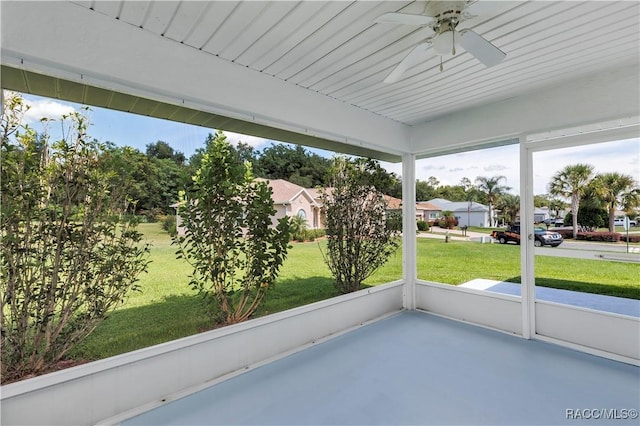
555, 222
619, 221
542, 237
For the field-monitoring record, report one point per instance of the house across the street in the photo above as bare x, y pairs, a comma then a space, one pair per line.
468, 213
427, 212
292, 200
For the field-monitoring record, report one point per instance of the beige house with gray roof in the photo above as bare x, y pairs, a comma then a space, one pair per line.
292, 200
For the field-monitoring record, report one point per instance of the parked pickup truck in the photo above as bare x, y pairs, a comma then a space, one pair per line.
619, 221
541, 235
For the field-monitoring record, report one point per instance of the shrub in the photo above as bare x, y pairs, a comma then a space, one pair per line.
566, 233
298, 228
422, 225
70, 253
359, 240
312, 234
592, 217
611, 237
394, 221
169, 224
229, 239
448, 222
632, 238
152, 215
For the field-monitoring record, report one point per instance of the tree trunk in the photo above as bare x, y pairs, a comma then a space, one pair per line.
575, 205
612, 217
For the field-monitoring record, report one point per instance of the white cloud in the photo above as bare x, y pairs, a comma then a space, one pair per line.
618, 156
45, 108
433, 167
254, 141
495, 168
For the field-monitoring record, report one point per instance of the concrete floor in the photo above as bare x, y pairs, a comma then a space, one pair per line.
417, 368
599, 302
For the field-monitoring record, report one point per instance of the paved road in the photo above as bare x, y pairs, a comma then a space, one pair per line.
615, 247
569, 248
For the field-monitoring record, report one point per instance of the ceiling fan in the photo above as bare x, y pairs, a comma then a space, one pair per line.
443, 18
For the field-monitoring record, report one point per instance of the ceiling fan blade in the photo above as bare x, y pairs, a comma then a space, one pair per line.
481, 48
403, 18
414, 57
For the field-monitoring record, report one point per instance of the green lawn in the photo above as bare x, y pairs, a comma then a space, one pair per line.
168, 309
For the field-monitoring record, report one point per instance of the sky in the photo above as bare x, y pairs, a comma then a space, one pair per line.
138, 131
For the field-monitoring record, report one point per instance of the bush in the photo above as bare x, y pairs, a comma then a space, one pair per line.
152, 215
312, 234
632, 238
169, 224
359, 240
394, 221
229, 239
298, 228
70, 253
566, 233
448, 222
422, 225
610, 237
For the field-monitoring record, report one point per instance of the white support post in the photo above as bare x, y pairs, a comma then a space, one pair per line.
409, 252
527, 272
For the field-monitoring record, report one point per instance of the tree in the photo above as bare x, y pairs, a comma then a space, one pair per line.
454, 193
541, 200
298, 227
571, 182
358, 239
509, 204
448, 220
162, 150
491, 189
295, 164
427, 190
424, 191
616, 190
69, 252
555, 205
592, 217
230, 242
132, 172
249, 154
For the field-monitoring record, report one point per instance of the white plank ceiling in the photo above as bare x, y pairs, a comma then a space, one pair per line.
334, 48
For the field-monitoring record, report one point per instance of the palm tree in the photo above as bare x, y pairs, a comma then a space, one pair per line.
571, 182
509, 204
617, 190
298, 227
491, 189
555, 205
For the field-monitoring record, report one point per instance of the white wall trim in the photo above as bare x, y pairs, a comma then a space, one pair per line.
605, 334
409, 227
479, 307
600, 97
89, 393
527, 261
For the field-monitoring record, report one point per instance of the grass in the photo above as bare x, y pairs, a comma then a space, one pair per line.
459, 261
167, 309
